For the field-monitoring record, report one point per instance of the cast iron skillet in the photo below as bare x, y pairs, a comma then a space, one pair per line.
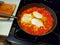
41, 6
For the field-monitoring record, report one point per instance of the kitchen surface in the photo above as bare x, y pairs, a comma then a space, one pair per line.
12, 34
6, 25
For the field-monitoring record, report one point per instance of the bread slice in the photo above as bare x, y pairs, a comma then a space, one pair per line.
7, 9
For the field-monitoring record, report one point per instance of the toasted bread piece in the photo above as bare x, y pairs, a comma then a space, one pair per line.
7, 9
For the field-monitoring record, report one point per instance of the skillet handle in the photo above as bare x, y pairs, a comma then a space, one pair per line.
7, 16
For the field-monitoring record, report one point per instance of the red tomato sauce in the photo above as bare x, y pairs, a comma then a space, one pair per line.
47, 21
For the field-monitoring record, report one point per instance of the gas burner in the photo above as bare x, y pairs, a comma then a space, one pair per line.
20, 37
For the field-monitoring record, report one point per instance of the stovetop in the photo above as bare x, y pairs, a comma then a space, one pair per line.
18, 36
